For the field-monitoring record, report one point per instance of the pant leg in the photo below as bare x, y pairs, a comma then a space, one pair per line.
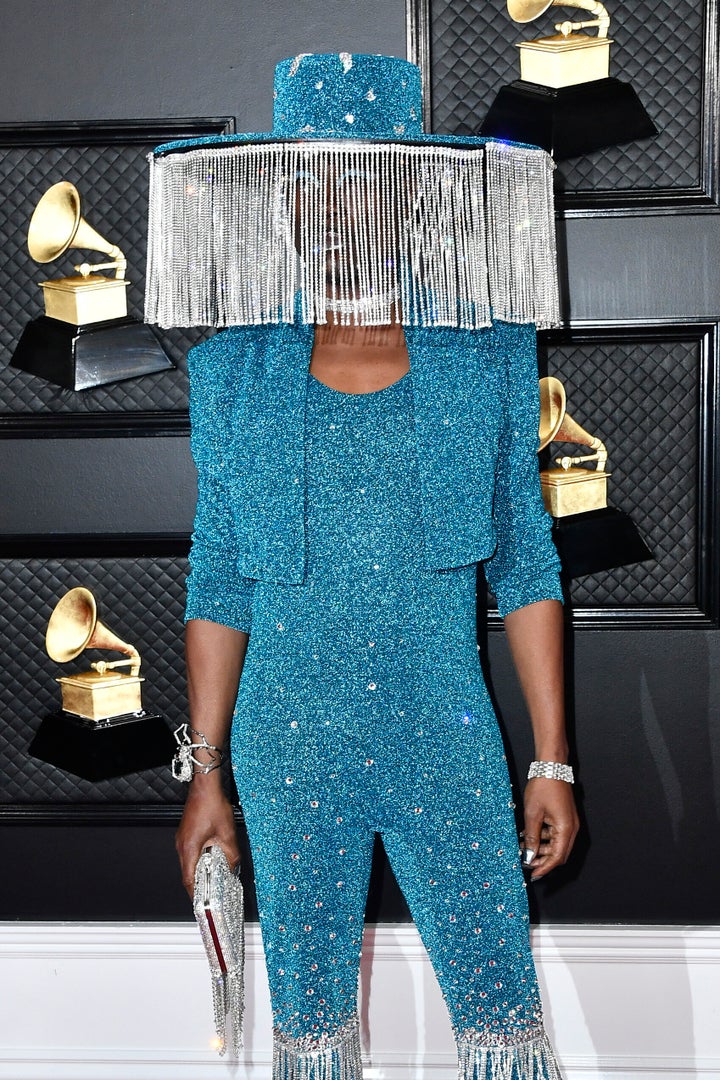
311, 855
451, 840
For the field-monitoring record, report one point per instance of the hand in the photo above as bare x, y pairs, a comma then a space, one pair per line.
551, 824
207, 819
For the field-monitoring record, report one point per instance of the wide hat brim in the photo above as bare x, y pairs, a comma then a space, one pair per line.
471, 142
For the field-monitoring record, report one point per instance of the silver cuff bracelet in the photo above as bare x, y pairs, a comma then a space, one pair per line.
552, 770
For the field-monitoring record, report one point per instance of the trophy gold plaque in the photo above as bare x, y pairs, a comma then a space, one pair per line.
86, 337
102, 730
565, 99
589, 535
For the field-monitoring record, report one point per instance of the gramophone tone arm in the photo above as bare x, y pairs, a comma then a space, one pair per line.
119, 263
600, 456
135, 658
101, 666
602, 18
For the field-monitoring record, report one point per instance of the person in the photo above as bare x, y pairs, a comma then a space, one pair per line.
360, 448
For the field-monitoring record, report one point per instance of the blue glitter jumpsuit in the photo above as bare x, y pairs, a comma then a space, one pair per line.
362, 706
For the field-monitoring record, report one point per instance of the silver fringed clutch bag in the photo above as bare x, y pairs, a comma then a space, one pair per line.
218, 906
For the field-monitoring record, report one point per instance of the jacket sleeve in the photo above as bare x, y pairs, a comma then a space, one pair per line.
524, 567
215, 589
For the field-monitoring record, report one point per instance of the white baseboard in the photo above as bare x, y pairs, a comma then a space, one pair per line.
132, 1002
123, 1065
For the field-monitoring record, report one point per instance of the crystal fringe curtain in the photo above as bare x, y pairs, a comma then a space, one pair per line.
428, 235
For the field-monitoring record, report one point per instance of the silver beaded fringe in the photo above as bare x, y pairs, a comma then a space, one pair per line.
228, 1006
529, 1058
439, 235
326, 1057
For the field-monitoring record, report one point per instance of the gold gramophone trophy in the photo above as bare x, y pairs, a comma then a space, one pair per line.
571, 488
102, 693
565, 100
86, 337
102, 730
589, 535
570, 56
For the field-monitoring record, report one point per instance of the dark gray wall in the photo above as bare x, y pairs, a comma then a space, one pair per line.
89, 60
643, 267
643, 704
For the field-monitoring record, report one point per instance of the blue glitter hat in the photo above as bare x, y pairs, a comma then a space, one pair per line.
341, 96
455, 230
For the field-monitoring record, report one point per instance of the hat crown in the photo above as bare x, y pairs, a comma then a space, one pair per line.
347, 96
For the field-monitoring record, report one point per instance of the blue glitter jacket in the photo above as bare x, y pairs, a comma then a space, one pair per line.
476, 408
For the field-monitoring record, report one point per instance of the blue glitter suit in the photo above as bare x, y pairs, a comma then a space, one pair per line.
342, 531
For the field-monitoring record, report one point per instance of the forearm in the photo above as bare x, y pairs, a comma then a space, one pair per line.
535, 636
214, 656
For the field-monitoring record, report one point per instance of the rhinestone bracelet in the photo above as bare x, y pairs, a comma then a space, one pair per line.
186, 764
552, 770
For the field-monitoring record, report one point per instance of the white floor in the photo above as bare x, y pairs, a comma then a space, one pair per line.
132, 1002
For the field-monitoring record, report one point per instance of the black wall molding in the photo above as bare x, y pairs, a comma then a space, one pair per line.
95, 425
93, 814
111, 132
95, 546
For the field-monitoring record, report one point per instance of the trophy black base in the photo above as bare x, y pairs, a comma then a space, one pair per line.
569, 121
598, 540
79, 357
103, 749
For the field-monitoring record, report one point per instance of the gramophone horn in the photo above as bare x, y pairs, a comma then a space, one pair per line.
557, 426
57, 225
74, 627
552, 409
524, 11
71, 625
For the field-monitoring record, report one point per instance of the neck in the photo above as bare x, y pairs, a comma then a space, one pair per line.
359, 359
358, 337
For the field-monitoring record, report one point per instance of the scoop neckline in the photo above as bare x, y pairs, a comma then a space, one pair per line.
362, 394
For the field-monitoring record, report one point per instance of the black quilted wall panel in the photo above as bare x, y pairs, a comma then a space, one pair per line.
658, 48
113, 184
642, 399
142, 601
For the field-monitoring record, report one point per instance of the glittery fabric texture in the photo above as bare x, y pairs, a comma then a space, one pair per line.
345, 95
362, 706
476, 411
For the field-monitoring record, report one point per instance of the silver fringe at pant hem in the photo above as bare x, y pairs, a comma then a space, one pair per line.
326, 1057
530, 1058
